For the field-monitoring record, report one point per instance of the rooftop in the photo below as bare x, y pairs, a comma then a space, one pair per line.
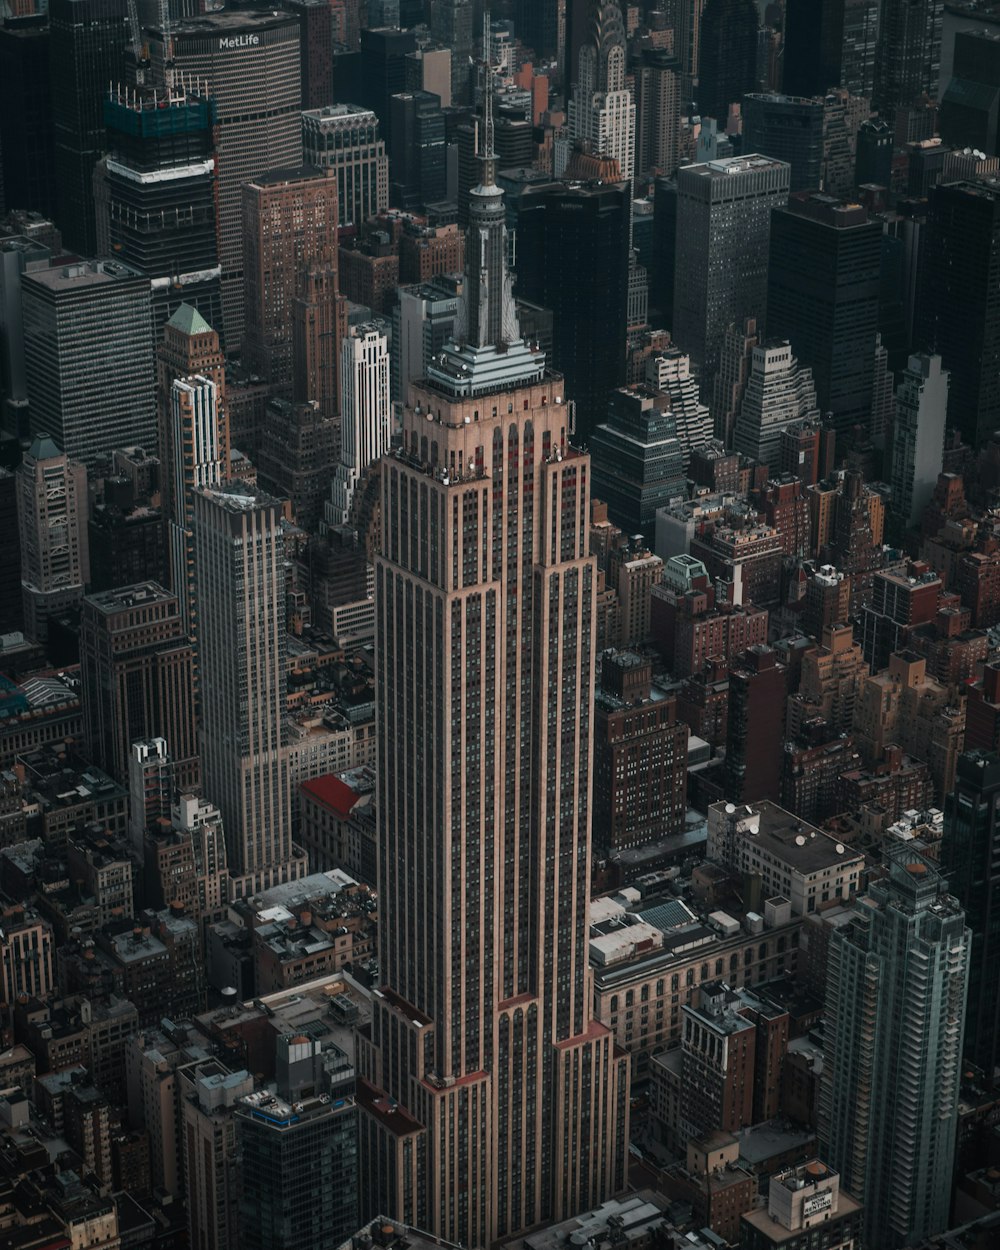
795, 842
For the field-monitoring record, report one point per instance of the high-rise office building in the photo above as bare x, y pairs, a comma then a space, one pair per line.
962, 323
316, 51
159, 197
194, 438
730, 383
727, 56
541, 26
512, 1106
757, 691
657, 109
453, 27
897, 979
346, 139
137, 665
789, 128
319, 323
637, 459
558, 225
298, 1164
296, 457
17, 254
418, 150
918, 429
365, 414
11, 607
249, 61
239, 579
830, 43
383, 70
970, 860
723, 227
908, 54
670, 372
52, 525
289, 219
27, 156
687, 41
969, 115
779, 394
601, 108
873, 155
823, 296
87, 52
423, 319
88, 355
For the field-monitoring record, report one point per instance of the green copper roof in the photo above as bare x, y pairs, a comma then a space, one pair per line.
189, 320
43, 448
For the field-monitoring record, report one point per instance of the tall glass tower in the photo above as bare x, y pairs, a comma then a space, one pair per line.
491, 1098
895, 1014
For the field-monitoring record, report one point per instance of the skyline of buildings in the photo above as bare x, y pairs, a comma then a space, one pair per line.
499, 625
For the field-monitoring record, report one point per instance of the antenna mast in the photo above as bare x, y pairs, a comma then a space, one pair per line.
488, 152
168, 47
140, 50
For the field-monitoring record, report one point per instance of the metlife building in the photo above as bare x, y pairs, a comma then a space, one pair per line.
250, 61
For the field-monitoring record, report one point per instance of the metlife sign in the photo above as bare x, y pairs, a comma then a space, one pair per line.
817, 1203
228, 42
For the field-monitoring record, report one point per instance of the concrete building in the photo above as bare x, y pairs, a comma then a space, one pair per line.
365, 415
447, 1145
723, 228
239, 578
52, 529
782, 856
289, 220
896, 988
137, 665
657, 108
640, 757
209, 1093
799, 1199
346, 139
88, 356
918, 432
756, 722
779, 394
670, 372
788, 128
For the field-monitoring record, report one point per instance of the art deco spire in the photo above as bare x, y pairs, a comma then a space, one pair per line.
487, 352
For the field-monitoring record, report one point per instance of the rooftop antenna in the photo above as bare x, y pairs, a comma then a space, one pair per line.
488, 152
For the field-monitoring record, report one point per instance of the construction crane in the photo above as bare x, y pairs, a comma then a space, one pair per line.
140, 50
168, 47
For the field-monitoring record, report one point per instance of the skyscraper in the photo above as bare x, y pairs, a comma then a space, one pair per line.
895, 1013
790, 129
159, 197
830, 43
962, 323
87, 52
194, 438
491, 1098
727, 56
908, 54
970, 859
88, 354
298, 1163
419, 156
289, 219
319, 323
657, 107
452, 26
601, 109
723, 227
917, 451
52, 523
823, 296
250, 61
239, 579
26, 144
572, 257
779, 394
365, 414
345, 138
137, 666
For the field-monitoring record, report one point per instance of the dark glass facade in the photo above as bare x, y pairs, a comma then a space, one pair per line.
87, 41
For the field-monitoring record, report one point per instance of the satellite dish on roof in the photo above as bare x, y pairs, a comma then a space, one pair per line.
799, 840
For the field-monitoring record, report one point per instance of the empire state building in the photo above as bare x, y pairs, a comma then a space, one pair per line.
491, 1098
